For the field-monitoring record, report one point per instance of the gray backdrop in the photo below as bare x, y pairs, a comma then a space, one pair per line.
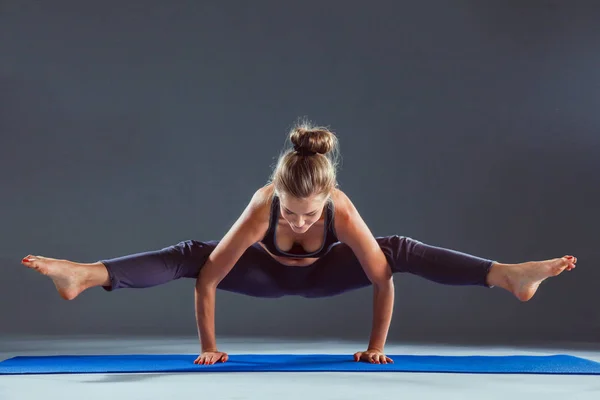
473, 125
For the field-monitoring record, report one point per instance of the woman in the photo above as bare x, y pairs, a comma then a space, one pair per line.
299, 235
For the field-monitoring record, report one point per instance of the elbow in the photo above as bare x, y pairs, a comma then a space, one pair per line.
384, 283
205, 282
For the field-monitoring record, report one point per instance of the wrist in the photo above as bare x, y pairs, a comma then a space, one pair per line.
375, 346
208, 345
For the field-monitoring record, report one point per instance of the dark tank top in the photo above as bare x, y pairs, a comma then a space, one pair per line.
297, 251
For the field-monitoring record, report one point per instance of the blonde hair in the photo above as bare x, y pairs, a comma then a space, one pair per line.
310, 166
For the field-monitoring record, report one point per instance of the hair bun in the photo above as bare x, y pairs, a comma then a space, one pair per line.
313, 140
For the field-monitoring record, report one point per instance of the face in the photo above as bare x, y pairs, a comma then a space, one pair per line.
301, 214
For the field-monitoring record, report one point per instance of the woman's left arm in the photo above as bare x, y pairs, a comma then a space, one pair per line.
352, 230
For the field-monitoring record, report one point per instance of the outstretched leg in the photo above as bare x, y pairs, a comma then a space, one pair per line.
140, 270
457, 268
340, 271
255, 274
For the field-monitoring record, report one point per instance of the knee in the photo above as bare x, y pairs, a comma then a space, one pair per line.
395, 242
391, 243
388, 244
397, 249
194, 250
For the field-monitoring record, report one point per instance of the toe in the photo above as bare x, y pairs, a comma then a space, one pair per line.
567, 260
558, 266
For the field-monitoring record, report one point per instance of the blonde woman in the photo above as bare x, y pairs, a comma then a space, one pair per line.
299, 235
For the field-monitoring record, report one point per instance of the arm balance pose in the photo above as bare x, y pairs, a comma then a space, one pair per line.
299, 235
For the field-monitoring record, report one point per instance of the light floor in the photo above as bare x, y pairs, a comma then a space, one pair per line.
282, 386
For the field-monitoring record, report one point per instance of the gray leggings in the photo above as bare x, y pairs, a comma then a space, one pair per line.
258, 274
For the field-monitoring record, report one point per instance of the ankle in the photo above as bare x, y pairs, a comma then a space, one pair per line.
498, 276
94, 274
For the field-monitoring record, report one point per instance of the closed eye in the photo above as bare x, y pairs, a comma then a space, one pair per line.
309, 214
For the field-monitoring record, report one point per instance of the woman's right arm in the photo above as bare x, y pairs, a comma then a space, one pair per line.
247, 230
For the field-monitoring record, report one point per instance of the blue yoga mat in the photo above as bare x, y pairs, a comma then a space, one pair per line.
140, 363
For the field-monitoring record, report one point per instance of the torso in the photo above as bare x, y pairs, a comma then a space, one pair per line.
310, 241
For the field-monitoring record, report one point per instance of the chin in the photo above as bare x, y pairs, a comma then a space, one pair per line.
300, 230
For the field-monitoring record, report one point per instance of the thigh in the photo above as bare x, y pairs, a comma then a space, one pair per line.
256, 274
337, 272
340, 271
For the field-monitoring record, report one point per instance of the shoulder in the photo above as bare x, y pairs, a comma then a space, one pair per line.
346, 216
259, 207
262, 197
253, 222
344, 209
349, 224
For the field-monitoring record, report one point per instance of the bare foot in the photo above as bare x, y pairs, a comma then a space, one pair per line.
524, 279
67, 277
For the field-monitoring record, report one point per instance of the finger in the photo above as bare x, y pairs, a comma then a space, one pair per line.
357, 356
224, 357
382, 359
389, 360
374, 359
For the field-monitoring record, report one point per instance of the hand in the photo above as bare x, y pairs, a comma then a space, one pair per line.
211, 357
372, 356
